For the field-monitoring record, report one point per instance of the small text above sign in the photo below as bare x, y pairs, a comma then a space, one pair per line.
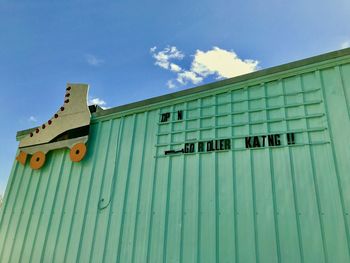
165, 117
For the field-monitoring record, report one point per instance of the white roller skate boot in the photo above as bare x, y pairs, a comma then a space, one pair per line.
68, 128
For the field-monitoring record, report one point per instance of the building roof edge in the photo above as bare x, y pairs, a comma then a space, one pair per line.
214, 85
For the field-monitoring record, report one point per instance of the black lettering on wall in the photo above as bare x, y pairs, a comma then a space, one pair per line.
271, 140
179, 115
222, 145
290, 138
169, 152
277, 140
256, 142
186, 148
200, 146
227, 144
165, 117
189, 148
192, 147
268, 140
216, 145
248, 142
210, 146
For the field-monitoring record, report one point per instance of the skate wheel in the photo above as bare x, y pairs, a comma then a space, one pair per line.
37, 160
22, 157
77, 152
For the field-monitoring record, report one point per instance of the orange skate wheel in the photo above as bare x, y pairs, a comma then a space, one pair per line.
77, 152
37, 161
22, 157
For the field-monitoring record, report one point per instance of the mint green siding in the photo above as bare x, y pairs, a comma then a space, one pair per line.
129, 202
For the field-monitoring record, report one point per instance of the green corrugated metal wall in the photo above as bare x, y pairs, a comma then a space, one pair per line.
127, 202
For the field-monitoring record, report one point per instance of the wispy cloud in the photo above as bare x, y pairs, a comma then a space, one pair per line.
92, 60
163, 57
97, 101
345, 44
216, 62
175, 68
32, 119
170, 84
186, 76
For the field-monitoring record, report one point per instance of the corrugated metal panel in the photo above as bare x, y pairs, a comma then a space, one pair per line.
128, 202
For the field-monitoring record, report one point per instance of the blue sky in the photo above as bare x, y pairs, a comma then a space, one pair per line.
110, 46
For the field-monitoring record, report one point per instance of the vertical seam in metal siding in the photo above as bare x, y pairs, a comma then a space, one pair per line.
295, 197
53, 205
31, 213
12, 212
114, 179
166, 220
319, 76
182, 208
255, 213
20, 216
73, 217
48, 225
320, 213
216, 189
99, 124
199, 186
340, 73
101, 187
272, 173
42, 207
141, 175
183, 191
126, 188
5, 204
234, 187
338, 178
169, 174
152, 198
8, 191
63, 211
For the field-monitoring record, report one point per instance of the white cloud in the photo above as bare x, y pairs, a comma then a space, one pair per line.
93, 60
163, 57
345, 44
32, 119
174, 67
98, 101
186, 76
170, 84
222, 63
216, 62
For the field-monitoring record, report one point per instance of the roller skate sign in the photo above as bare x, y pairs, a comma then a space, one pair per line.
250, 142
67, 128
